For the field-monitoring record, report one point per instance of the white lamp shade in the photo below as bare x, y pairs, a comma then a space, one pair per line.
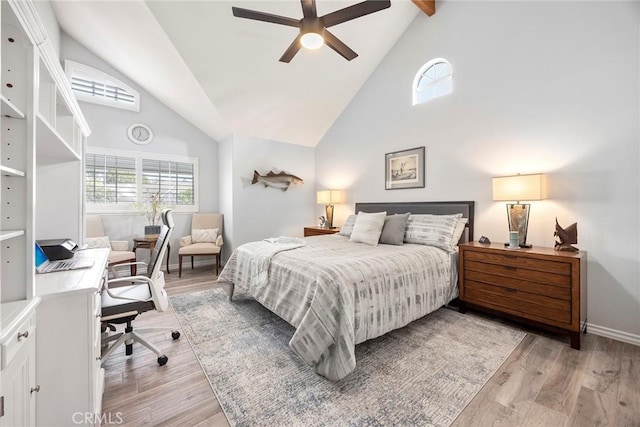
520, 187
329, 197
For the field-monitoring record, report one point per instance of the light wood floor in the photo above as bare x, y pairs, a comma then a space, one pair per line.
543, 383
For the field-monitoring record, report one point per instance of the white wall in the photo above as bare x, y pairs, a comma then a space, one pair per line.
538, 87
260, 212
172, 135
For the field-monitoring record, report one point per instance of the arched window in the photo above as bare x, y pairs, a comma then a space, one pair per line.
434, 79
94, 86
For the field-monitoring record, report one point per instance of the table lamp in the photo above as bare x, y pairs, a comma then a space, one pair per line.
328, 198
517, 188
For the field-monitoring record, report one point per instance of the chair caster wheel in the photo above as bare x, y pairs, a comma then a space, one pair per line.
162, 360
175, 335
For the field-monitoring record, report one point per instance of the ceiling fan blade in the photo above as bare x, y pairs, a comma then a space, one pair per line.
265, 17
355, 11
292, 50
334, 43
309, 8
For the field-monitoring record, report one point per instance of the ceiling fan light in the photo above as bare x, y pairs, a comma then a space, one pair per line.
311, 40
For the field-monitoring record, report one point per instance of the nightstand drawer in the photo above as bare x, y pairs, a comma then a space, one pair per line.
509, 271
515, 303
552, 291
515, 260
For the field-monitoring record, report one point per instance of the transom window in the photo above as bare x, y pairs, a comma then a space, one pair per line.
91, 85
434, 79
118, 181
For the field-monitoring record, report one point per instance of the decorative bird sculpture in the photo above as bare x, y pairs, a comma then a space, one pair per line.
566, 237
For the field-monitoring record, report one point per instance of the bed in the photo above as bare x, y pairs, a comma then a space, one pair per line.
338, 293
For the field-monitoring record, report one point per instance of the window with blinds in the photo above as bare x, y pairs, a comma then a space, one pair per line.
110, 179
121, 181
94, 86
173, 181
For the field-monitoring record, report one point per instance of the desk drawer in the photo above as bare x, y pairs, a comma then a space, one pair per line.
24, 333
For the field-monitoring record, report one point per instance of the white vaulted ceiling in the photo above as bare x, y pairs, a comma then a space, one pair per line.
222, 73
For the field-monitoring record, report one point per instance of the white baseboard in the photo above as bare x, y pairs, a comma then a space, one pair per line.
613, 334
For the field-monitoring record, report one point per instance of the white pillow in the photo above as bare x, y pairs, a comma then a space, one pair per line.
432, 230
347, 228
97, 242
204, 235
368, 227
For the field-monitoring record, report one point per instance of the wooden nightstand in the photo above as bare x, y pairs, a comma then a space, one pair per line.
540, 286
317, 231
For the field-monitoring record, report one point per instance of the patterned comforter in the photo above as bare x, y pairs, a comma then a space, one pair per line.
338, 293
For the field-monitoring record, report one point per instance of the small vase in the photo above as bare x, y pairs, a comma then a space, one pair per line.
150, 230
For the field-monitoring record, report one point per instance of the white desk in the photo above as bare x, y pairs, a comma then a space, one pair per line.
68, 343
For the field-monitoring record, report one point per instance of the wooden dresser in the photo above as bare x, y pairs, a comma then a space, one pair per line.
541, 286
317, 231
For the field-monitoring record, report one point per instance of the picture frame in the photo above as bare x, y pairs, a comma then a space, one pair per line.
404, 169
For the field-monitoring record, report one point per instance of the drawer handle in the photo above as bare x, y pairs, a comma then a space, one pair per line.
510, 290
24, 334
510, 267
35, 389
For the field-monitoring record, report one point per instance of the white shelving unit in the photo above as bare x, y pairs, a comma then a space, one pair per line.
42, 137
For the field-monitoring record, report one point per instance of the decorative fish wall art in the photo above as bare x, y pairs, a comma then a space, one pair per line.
280, 180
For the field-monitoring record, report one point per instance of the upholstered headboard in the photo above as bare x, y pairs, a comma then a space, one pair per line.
436, 208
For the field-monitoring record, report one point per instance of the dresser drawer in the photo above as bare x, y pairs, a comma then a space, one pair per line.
511, 271
17, 340
524, 262
525, 303
515, 283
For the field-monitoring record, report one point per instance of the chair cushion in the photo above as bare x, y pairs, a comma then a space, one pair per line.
121, 256
97, 242
111, 306
199, 249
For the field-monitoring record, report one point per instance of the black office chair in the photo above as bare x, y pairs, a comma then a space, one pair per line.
124, 298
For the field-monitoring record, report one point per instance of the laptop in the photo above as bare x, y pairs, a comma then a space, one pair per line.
43, 265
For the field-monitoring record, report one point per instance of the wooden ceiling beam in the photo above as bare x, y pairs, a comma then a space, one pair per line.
427, 6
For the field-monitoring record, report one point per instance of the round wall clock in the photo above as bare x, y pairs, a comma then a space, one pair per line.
140, 134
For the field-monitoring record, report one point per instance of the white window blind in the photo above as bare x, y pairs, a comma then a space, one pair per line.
110, 179
94, 86
120, 181
174, 181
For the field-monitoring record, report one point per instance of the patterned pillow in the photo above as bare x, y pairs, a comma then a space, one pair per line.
347, 228
368, 228
204, 235
458, 230
432, 230
393, 229
97, 242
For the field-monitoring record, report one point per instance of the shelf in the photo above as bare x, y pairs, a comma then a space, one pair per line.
50, 146
10, 234
7, 171
9, 109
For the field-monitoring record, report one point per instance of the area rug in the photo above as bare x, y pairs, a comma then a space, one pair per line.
423, 375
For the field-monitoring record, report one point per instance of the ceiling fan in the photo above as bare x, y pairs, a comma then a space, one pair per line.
313, 29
